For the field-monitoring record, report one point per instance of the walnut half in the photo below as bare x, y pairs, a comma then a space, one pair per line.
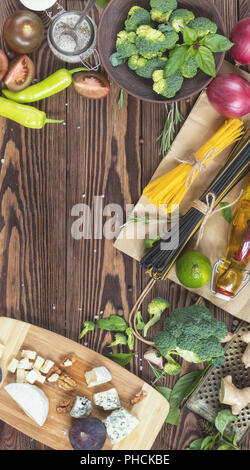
65, 406
66, 382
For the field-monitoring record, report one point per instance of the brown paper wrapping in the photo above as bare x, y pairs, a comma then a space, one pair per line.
200, 125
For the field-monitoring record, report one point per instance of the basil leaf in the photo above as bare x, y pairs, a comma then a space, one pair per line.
205, 61
112, 323
176, 59
173, 416
189, 35
116, 59
102, 3
225, 447
185, 386
217, 43
165, 391
196, 444
226, 212
120, 358
222, 419
208, 443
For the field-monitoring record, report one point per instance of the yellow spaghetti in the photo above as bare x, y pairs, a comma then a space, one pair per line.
171, 188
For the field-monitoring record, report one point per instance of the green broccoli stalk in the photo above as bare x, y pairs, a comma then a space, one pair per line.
149, 42
171, 367
155, 309
145, 67
131, 338
88, 326
125, 44
139, 321
203, 26
162, 9
193, 334
120, 338
180, 18
190, 68
168, 86
136, 17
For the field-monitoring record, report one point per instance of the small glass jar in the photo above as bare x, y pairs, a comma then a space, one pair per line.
63, 45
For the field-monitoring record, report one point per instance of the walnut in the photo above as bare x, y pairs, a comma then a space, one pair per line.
54, 370
65, 406
66, 382
68, 361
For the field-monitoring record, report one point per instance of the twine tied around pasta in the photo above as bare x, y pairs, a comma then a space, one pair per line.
196, 164
208, 211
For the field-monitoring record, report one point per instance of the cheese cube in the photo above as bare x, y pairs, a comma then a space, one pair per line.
38, 363
119, 424
32, 376
82, 408
47, 366
41, 378
24, 364
2, 349
97, 376
21, 375
108, 400
29, 354
12, 367
53, 378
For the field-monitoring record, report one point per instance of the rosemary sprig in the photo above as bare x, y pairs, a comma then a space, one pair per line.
174, 117
121, 100
158, 373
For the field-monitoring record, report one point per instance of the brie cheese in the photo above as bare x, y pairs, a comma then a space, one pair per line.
31, 399
97, 376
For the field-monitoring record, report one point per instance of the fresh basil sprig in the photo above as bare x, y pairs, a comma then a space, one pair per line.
176, 58
120, 358
112, 323
217, 42
205, 60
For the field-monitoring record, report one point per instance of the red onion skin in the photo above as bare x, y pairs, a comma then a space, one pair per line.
229, 94
240, 36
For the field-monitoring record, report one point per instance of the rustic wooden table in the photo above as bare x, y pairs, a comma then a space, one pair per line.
48, 278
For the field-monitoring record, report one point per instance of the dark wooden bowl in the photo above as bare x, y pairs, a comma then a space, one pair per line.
112, 21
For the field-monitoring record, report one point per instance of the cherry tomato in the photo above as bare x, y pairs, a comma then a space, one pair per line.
20, 74
23, 31
93, 85
3, 64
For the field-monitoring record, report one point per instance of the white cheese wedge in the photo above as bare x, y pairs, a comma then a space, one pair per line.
47, 366
12, 367
24, 364
2, 349
97, 376
108, 400
31, 399
38, 363
21, 375
29, 354
119, 424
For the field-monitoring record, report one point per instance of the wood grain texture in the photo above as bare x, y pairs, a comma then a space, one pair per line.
47, 277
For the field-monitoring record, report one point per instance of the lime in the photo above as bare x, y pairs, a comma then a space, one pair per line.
193, 269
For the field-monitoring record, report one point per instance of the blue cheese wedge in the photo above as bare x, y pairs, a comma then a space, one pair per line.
120, 424
82, 408
108, 400
97, 376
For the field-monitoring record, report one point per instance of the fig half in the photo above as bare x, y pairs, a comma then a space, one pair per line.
87, 434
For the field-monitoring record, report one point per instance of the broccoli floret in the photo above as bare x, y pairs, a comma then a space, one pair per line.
189, 69
120, 338
162, 9
135, 61
171, 38
146, 70
203, 26
168, 86
180, 18
171, 367
125, 44
136, 17
193, 334
155, 309
149, 42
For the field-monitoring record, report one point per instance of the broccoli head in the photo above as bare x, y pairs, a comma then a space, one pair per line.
125, 44
145, 67
180, 18
168, 86
193, 334
149, 42
189, 69
136, 17
162, 9
203, 26
171, 38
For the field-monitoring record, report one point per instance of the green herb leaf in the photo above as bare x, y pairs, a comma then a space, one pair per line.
205, 61
173, 416
165, 391
176, 59
185, 386
158, 373
217, 43
116, 59
208, 442
112, 323
102, 3
225, 447
196, 444
223, 418
189, 35
226, 212
120, 358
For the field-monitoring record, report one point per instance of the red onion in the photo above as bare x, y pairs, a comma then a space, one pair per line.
229, 94
240, 35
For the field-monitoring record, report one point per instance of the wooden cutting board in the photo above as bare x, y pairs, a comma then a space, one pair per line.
151, 411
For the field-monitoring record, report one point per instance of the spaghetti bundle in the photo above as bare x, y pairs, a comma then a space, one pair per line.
171, 188
159, 262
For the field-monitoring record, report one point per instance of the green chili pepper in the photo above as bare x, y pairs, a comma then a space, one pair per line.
27, 116
53, 84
